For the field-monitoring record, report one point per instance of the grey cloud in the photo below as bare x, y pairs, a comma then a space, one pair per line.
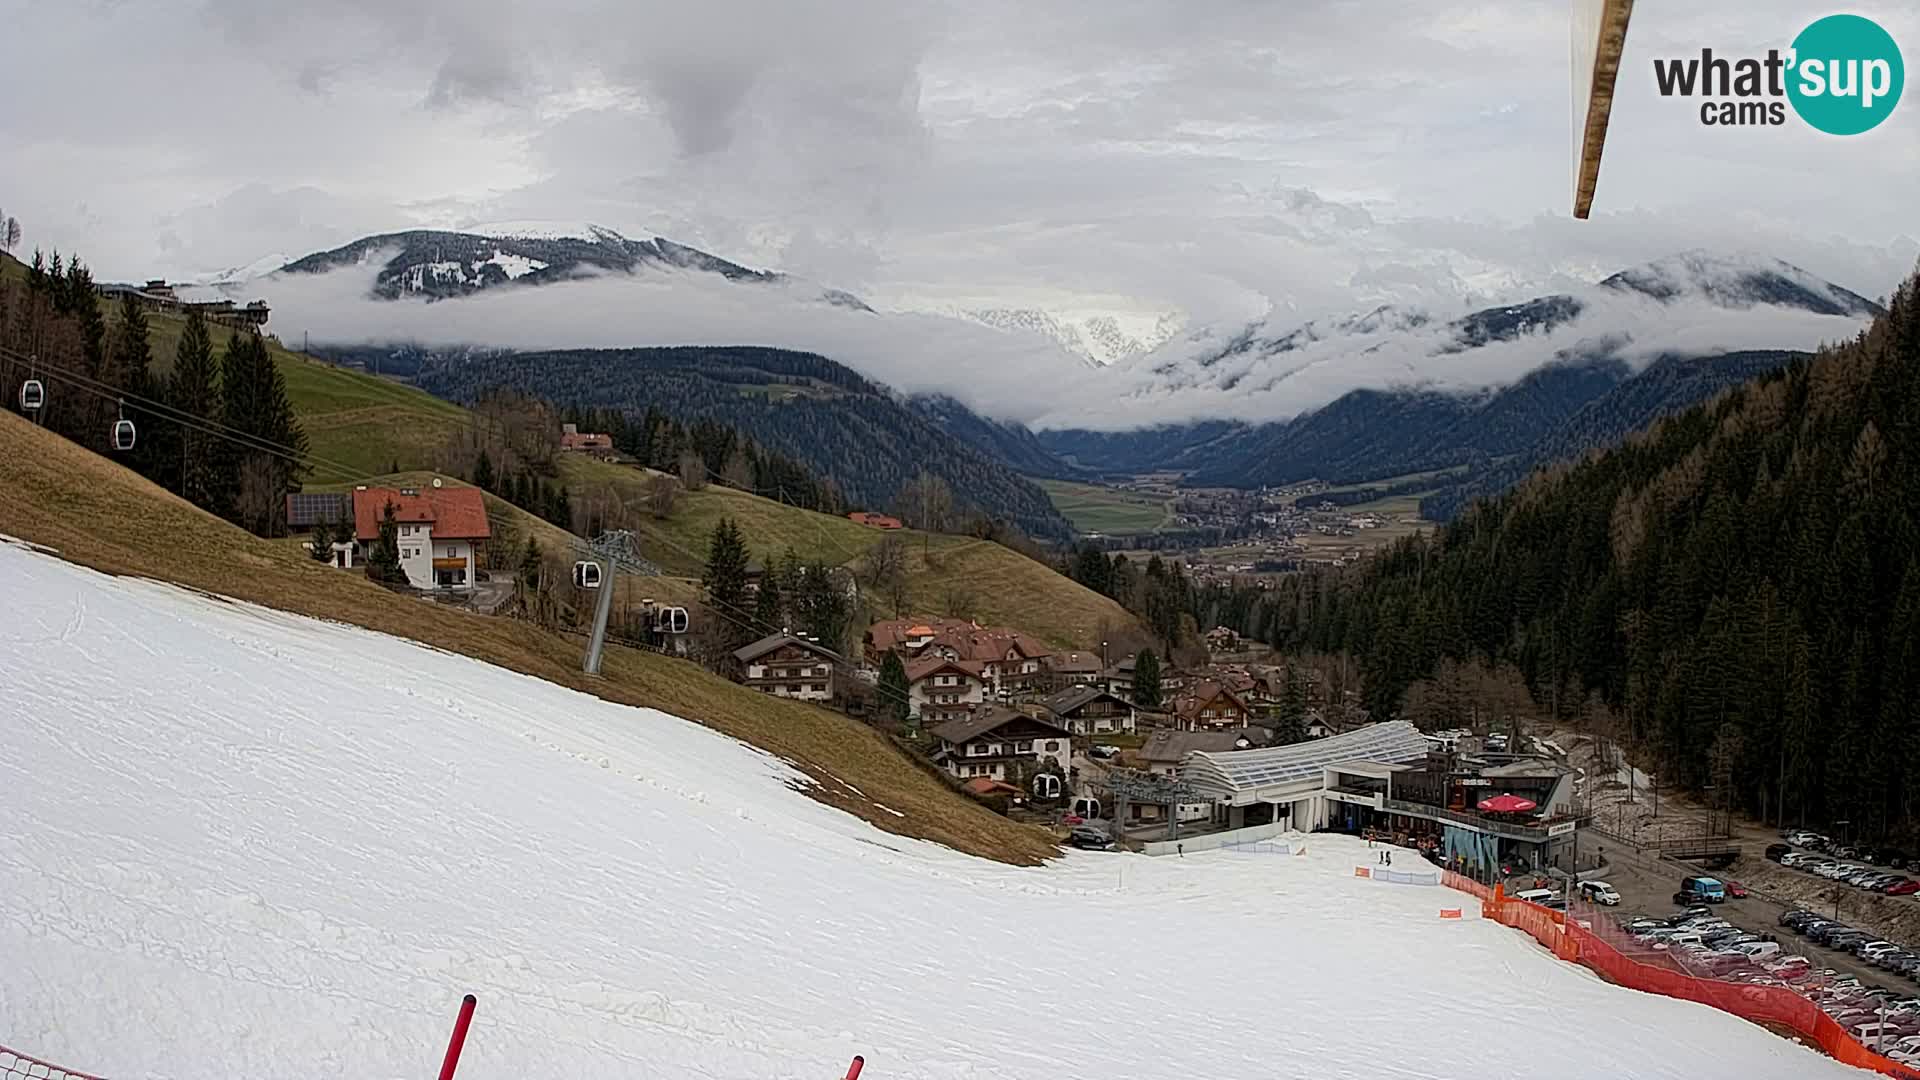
1239, 162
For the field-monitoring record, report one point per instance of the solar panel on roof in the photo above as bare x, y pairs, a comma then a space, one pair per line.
1391, 743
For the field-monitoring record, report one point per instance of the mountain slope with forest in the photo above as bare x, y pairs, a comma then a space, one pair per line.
1738, 588
808, 408
1669, 384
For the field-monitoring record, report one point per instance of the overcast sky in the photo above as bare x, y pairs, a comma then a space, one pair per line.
1222, 161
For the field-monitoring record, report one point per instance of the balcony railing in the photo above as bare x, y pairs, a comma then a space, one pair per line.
1532, 834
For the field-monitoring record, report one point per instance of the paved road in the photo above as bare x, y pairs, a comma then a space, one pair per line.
1647, 883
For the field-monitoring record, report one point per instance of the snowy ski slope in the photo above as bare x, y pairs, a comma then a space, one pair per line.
235, 843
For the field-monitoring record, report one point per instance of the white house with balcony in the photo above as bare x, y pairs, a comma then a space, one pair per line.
439, 531
939, 689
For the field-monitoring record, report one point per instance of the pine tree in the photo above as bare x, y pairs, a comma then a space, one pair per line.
194, 389
483, 472
821, 607
526, 583
769, 606
320, 546
1291, 721
383, 561
1146, 680
725, 581
254, 400
895, 703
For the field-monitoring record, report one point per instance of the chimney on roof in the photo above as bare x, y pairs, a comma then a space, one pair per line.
569, 429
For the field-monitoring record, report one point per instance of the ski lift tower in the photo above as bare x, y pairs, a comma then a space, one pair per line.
1168, 791
602, 560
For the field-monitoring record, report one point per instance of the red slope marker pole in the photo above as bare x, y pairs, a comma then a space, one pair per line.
459, 1038
853, 1070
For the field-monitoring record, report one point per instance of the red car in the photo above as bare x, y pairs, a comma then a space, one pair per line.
1736, 891
1903, 888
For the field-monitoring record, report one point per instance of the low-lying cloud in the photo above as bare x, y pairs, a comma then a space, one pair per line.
1020, 376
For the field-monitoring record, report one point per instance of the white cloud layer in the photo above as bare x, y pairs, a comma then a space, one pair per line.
1222, 164
1019, 376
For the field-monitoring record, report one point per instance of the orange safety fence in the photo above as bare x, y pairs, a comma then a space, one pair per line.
1465, 884
1577, 942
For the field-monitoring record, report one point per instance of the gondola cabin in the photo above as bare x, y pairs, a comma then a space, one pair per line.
123, 434
32, 395
586, 575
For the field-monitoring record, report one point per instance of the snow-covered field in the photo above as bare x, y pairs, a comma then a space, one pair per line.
239, 843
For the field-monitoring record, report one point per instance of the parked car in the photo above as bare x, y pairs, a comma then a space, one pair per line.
1736, 890
1777, 852
1090, 838
1903, 887
1599, 892
1698, 889
1102, 751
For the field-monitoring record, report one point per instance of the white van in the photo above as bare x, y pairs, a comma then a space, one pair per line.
1759, 950
1599, 892
1536, 896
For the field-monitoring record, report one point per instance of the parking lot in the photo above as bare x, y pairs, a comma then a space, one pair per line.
1646, 884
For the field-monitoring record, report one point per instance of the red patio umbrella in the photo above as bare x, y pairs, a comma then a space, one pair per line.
1507, 804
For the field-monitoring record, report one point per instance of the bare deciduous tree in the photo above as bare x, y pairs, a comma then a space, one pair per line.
925, 502
259, 499
958, 601
738, 472
693, 470
665, 492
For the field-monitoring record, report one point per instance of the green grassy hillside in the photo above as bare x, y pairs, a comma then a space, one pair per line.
362, 422
92, 511
944, 573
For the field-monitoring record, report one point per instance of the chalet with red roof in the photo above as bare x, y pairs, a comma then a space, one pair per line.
1010, 661
441, 531
939, 690
1210, 706
575, 441
875, 521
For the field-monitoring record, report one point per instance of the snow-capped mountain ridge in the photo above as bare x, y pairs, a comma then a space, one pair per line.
438, 264
1098, 337
1414, 349
1482, 387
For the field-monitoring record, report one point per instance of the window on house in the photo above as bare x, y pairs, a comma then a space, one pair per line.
1025, 747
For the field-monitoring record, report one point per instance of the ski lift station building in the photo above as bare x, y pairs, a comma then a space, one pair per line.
1386, 776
